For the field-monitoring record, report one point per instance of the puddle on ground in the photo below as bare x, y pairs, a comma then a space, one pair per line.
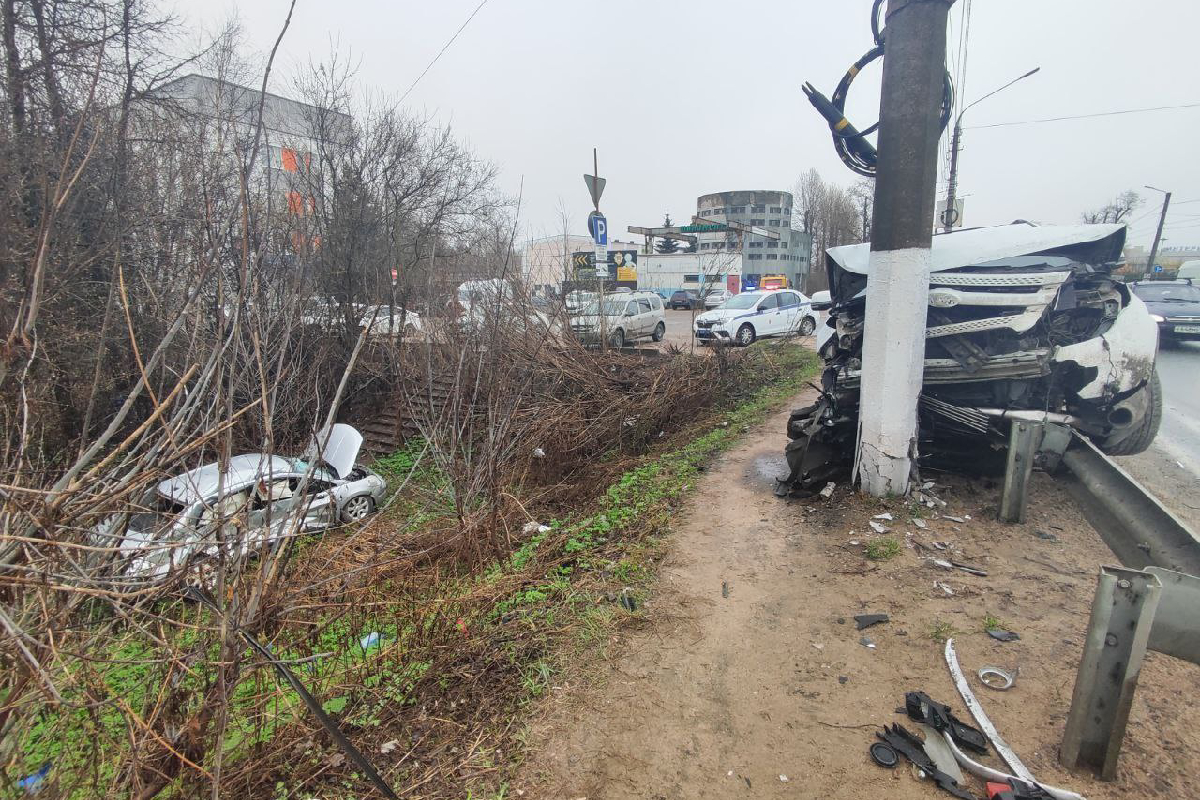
766, 468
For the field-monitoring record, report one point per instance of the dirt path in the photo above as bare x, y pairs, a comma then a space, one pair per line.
724, 691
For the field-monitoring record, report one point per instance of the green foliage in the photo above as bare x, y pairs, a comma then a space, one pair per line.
883, 548
941, 631
991, 623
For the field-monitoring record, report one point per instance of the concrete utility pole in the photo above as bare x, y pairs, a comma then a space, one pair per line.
1158, 233
949, 213
914, 69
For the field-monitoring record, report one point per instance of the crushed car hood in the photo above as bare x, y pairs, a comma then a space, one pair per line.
849, 265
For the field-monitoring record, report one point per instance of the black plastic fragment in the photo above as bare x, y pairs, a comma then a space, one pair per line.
1003, 636
911, 747
923, 708
883, 755
867, 620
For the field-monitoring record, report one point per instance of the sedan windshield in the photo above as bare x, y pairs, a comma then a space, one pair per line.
742, 301
1166, 292
612, 308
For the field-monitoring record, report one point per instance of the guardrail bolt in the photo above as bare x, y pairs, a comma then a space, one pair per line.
1111, 640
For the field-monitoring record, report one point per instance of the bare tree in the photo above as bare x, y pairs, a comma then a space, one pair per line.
1116, 210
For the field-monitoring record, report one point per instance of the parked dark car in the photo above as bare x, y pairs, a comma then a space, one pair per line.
1175, 306
685, 298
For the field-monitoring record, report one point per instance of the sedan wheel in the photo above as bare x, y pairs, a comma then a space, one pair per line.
807, 326
357, 508
745, 335
660, 330
617, 339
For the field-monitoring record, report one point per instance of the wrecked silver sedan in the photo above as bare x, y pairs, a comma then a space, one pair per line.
1024, 322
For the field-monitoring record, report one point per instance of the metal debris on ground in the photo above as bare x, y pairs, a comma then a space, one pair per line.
867, 620
953, 518
875, 526
867, 643
885, 515
997, 678
944, 587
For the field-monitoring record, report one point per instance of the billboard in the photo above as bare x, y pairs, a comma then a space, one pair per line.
621, 266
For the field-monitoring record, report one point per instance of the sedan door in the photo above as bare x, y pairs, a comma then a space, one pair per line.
790, 312
766, 321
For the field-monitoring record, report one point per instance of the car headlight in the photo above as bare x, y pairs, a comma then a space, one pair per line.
1157, 318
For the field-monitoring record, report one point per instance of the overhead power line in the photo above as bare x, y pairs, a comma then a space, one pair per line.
445, 47
1086, 116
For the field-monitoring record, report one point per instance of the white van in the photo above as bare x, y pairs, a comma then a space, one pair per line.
622, 319
1189, 269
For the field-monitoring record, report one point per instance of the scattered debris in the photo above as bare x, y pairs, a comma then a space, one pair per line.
1003, 635
1046, 535
885, 515
923, 708
944, 587
940, 752
944, 564
724, 589
842, 679
627, 600
997, 678
389, 746
1023, 777
539, 452
953, 518
783, 778
818, 646
533, 527
901, 740
867, 620
827, 492
920, 523
32, 784
878, 528
867, 643
883, 755
372, 639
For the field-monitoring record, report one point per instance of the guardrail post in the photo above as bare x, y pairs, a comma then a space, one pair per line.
1023, 440
1118, 631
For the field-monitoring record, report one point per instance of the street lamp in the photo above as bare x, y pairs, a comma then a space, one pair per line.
1158, 233
949, 215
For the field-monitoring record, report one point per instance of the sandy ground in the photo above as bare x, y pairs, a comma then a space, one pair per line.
747, 667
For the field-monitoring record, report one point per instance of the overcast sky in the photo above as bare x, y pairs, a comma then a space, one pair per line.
685, 98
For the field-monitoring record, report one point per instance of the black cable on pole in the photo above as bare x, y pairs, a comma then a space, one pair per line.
850, 143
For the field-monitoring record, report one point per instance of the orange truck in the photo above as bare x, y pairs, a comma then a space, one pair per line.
773, 282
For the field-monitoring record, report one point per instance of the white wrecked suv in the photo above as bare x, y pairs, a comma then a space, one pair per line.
1024, 321
257, 500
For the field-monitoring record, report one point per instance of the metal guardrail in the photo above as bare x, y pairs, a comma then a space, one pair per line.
1138, 528
1150, 604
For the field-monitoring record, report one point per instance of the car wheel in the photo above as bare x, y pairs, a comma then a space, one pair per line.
1138, 436
617, 339
807, 326
745, 335
357, 508
660, 330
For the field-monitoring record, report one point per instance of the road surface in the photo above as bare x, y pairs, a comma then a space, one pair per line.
1171, 467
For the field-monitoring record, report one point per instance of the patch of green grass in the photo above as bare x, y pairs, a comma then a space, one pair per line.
883, 548
942, 630
991, 623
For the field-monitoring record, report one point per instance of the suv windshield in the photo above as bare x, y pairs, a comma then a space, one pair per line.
1166, 292
742, 301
